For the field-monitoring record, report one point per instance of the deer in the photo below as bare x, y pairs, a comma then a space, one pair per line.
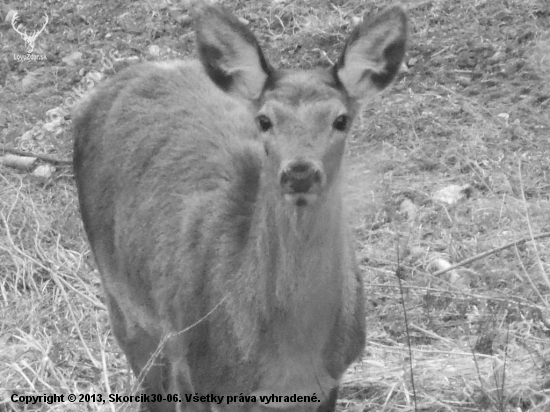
211, 193
29, 39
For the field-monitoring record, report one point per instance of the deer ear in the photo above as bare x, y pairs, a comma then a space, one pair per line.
373, 54
230, 53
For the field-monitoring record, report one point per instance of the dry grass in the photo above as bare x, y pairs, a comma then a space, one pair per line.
472, 110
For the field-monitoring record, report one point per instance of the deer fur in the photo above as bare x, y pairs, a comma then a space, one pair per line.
211, 193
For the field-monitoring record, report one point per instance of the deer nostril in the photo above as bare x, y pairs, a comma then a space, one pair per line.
299, 177
301, 185
317, 176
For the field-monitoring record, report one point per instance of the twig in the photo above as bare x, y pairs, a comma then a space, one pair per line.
44, 157
535, 250
429, 333
399, 275
490, 252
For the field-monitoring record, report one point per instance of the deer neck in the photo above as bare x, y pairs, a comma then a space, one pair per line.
301, 248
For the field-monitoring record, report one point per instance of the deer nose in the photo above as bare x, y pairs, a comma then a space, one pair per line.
300, 176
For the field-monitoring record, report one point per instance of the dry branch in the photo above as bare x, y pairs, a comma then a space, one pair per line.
44, 157
490, 252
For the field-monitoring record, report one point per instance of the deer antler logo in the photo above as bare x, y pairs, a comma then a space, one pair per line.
29, 39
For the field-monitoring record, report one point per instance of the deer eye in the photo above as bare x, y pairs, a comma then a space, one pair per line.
341, 123
264, 123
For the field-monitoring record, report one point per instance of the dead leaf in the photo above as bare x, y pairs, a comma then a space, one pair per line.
153, 50
29, 81
9, 16
72, 58
44, 172
452, 194
408, 208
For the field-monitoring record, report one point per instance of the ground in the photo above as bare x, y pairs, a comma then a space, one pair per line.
452, 163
